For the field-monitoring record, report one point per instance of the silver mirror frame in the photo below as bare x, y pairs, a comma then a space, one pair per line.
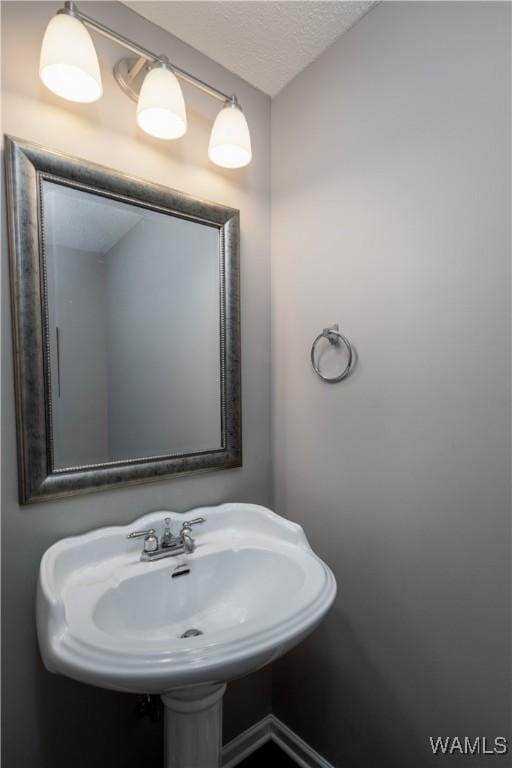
27, 166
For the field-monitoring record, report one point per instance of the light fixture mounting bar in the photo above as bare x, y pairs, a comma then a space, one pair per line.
71, 9
137, 68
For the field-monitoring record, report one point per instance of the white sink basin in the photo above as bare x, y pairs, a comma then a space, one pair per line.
255, 589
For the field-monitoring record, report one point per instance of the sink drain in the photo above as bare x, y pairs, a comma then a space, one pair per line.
191, 633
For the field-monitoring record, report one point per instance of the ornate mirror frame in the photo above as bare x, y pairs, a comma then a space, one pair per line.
27, 167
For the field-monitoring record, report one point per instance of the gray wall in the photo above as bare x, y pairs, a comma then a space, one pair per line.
391, 206
163, 338
51, 722
77, 307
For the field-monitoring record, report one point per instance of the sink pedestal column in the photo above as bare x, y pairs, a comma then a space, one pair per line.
193, 726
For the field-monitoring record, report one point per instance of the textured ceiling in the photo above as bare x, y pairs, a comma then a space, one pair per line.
266, 42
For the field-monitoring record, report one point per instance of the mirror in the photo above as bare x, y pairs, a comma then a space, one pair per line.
134, 329
132, 333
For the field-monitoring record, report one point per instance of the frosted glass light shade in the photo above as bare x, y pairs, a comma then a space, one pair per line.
161, 107
68, 64
230, 140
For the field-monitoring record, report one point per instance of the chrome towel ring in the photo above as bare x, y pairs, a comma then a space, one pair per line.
334, 337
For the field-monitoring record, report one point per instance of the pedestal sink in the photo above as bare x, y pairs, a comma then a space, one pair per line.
183, 626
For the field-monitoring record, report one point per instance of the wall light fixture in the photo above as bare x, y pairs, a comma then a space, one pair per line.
69, 67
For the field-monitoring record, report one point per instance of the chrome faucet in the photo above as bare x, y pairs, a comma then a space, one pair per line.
168, 545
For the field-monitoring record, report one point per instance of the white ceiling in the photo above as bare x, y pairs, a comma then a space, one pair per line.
75, 219
266, 42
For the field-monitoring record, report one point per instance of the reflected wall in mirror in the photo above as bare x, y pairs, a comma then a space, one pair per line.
126, 326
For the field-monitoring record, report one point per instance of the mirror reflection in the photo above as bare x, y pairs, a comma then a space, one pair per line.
133, 325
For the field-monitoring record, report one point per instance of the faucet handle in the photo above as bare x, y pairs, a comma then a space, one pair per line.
140, 534
187, 525
150, 540
185, 534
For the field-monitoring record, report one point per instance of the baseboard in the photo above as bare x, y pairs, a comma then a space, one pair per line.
246, 742
270, 727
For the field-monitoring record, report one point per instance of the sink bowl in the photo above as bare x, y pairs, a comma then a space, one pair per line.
251, 590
